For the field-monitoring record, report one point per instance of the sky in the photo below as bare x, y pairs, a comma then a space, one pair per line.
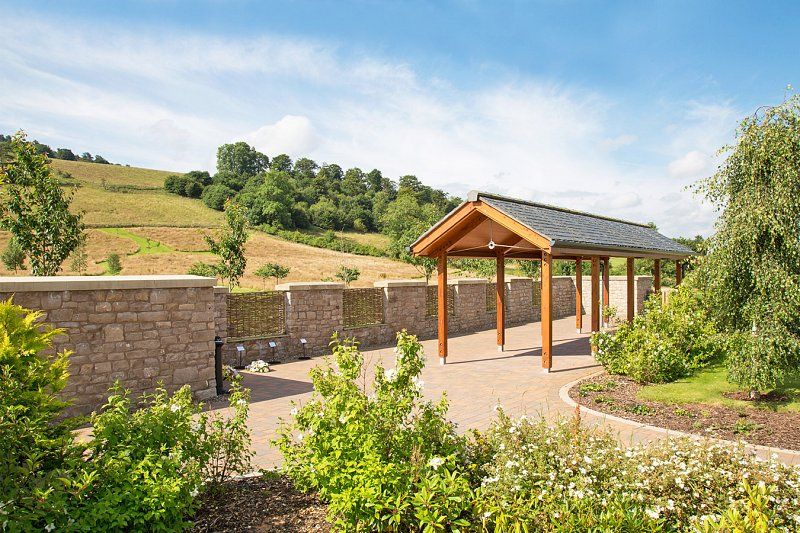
615, 108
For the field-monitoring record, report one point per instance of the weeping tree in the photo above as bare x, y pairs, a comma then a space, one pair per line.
753, 267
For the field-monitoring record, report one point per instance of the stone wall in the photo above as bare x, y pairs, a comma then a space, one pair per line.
138, 330
314, 312
618, 293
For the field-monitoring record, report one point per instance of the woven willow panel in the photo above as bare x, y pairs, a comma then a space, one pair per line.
256, 314
537, 294
362, 307
491, 298
432, 301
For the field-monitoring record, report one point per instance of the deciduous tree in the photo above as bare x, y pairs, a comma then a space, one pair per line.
35, 209
228, 244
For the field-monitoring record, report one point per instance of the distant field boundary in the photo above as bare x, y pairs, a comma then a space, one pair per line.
151, 225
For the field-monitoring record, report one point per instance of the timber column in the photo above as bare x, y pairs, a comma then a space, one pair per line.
500, 295
441, 292
547, 311
578, 295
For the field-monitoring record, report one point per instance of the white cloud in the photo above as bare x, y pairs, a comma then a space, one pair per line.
694, 164
169, 99
292, 134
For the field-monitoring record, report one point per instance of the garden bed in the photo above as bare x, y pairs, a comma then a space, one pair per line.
263, 503
620, 396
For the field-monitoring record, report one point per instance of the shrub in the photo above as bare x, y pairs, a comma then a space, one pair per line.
113, 264
141, 470
663, 344
200, 268
383, 458
214, 196
37, 443
567, 477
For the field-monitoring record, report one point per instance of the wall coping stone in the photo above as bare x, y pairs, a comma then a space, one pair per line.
384, 283
310, 286
467, 281
92, 283
221, 289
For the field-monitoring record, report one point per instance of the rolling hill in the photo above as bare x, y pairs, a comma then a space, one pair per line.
128, 212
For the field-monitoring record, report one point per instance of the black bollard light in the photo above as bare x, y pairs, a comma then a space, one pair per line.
218, 343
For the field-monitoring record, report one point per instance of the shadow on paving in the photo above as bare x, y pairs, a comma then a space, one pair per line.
573, 347
265, 387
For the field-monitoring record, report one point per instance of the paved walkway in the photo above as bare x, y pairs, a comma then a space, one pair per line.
477, 377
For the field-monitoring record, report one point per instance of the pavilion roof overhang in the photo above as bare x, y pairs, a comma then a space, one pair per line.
523, 230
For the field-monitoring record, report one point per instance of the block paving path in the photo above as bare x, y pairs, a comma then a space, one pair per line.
476, 378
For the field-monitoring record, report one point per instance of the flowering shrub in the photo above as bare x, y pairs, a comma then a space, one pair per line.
382, 457
260, 366
662, 344
570, 478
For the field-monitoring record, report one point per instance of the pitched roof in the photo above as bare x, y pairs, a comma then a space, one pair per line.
573, 229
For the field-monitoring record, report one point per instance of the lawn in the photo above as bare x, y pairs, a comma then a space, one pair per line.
145, 245
710, 385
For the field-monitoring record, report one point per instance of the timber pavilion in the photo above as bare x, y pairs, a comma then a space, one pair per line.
493, 226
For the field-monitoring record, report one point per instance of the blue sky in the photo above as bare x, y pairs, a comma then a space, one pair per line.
608, 107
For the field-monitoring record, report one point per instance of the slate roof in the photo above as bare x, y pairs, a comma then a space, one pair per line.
573, 229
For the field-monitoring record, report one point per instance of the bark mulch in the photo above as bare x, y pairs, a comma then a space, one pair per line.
264, 503
617, 395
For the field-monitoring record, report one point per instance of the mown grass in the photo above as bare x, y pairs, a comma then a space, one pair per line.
145, 245
710, 385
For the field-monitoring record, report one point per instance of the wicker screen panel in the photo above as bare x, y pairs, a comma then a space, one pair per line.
362, 307
491, 298
256, 315
432, 301
537, 294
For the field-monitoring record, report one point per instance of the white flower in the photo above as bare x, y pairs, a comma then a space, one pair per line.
653, 513
342, 419
418, 383
174, 408
50, 527
391, 374
435, 462
300, 436
293, 412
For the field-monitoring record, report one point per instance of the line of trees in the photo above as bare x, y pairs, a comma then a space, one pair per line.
286, 194
59, 153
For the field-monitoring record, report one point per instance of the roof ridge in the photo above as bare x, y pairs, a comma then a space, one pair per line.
475, 195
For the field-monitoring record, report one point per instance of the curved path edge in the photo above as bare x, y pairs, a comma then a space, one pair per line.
785, 455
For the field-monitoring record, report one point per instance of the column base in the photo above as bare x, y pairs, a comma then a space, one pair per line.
501, 348
442, 361
545, 371
578, 330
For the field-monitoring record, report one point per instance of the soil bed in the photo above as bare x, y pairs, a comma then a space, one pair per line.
617, 395
264, 503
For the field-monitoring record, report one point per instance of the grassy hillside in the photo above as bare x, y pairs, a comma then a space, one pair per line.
112, 195
159, 233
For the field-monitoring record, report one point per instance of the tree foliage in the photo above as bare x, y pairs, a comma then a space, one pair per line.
347, 274
272, 270
228, 244
13, 256
241, 159
752, 272
35, 209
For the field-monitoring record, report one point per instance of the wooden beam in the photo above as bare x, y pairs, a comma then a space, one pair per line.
606, 285
464, 227
630, 287
441, 291
595, 293
547, 311
500, 292
657, 276
678, 272
513, 226
452, 220
578, 295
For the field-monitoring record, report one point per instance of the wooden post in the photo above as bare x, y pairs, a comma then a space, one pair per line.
578, 295
678, 272
595, 294
657, 276
630, 297
441, 281
500, 291
547, 311
606, 285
